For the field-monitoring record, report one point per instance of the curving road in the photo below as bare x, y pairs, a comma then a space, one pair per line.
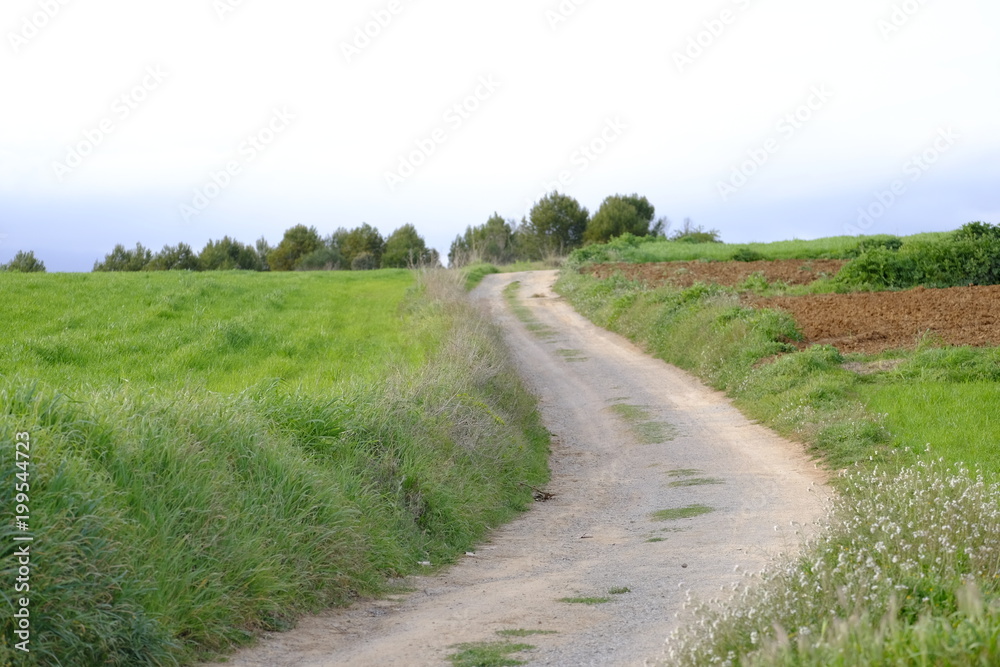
633, 436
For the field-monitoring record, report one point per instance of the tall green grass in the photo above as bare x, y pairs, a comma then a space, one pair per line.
221, 331
174, 520
641, 250
959, 422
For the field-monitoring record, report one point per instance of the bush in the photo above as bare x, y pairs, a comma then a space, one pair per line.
970, 257
607, 252
24, 262
228, 255
975, 231
298, 242
886, 241
747, 255
364, 261
323, 258
122, 259
691, 233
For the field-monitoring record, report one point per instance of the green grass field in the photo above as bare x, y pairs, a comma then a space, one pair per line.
661, 250
959, 422
216, 454
221, 331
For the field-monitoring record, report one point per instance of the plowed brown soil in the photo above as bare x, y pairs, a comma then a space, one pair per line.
686, 274
872, 322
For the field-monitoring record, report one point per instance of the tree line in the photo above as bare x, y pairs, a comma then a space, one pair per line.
301, 249
555, 225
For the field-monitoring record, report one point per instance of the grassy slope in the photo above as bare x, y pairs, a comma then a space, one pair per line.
960, 422
909, 565
661, 250
228, 451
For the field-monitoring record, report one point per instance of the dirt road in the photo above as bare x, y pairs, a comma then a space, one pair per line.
632, 437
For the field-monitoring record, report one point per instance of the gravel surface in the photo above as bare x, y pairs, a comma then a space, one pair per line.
633, 436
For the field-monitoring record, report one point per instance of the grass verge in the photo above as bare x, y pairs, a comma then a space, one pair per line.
908, 570
907, 573
179, 521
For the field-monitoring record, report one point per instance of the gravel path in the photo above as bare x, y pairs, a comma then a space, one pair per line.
632, 436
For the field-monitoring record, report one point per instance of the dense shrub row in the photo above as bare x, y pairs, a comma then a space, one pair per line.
970, 256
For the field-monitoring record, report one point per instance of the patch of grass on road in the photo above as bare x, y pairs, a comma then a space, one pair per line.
572, 355
525, 633
695, 481
648, 432
585, 600
524, 314
487, 654
681, 512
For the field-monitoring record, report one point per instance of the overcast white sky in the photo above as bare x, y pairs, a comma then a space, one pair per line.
116, 114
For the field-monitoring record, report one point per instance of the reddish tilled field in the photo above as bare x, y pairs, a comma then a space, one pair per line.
868, 322
686, 274
872, 322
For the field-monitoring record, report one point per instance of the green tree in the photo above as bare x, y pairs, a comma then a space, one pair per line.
406, 248
358, 240
298, 242
228, 255
364, 261
490, 242
555, 226
123, 259
24, 262
620, 214
660, 228
263, 250
327, 257
175, 258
